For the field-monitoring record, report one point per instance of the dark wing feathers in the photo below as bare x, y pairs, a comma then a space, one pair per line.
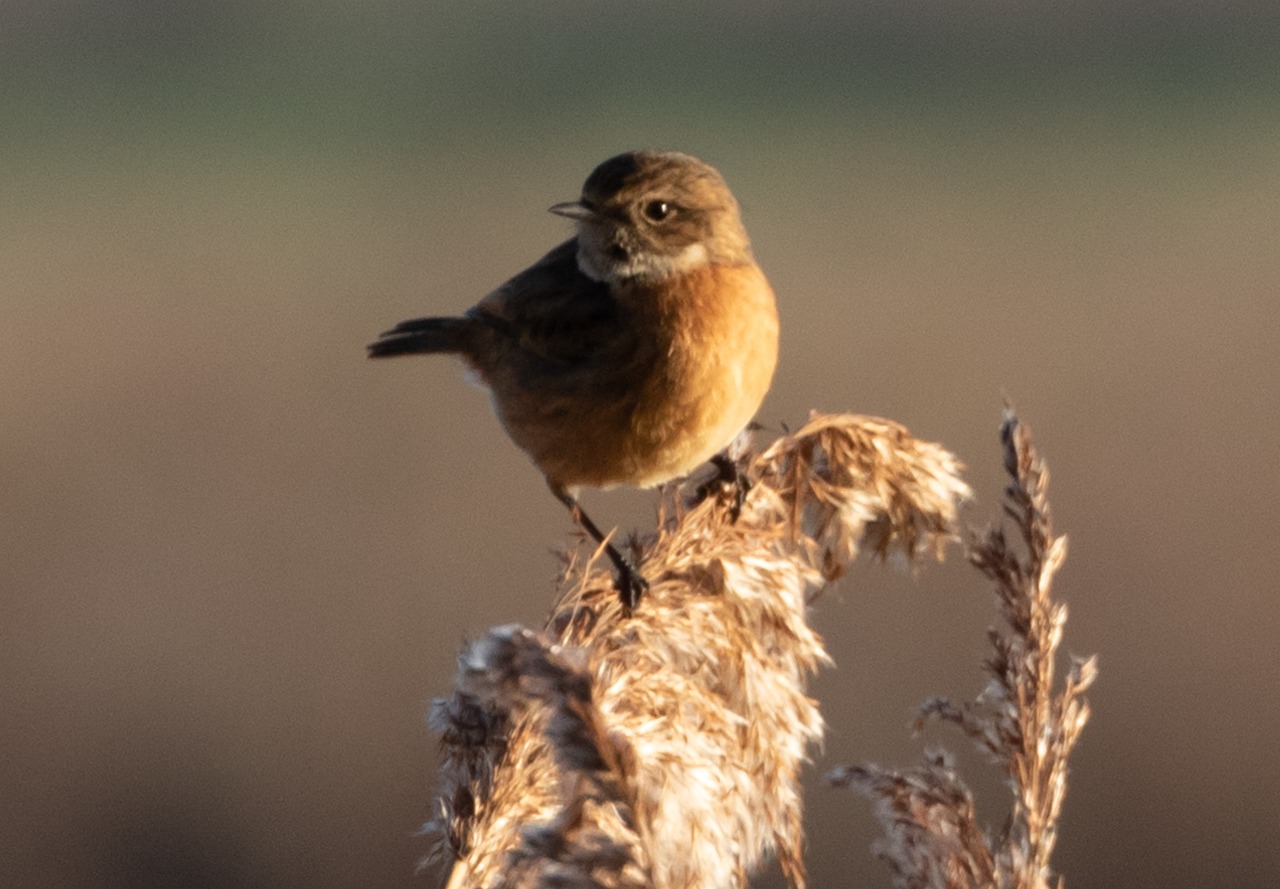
422, 335
552, 309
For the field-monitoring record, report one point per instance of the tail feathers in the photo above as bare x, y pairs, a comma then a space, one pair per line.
422, 335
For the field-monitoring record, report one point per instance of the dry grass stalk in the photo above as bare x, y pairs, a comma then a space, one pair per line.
664, 749
1023, 719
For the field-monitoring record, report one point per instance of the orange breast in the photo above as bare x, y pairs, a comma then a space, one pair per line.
654, 398
719, 326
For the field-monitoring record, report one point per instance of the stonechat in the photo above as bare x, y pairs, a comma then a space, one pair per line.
633, 352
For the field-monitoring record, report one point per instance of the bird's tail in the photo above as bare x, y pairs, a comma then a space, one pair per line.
423, 335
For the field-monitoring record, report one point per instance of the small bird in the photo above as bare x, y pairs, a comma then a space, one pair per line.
635, 351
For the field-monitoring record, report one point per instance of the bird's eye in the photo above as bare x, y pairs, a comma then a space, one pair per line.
656, 211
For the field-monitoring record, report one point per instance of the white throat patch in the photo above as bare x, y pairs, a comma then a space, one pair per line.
598, 267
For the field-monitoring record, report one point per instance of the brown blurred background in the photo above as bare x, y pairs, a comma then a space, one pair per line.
238, 559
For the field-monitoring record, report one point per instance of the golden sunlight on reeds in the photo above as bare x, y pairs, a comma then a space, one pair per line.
1022, 720
664, 749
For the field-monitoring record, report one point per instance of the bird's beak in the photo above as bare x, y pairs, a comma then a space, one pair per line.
572, 210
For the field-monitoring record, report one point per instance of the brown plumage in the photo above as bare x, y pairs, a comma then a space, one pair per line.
633, 352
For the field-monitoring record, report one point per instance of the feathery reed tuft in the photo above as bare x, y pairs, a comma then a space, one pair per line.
664, 748
1023, 720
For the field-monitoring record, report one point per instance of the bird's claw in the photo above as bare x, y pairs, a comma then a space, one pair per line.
631, 586
730, 478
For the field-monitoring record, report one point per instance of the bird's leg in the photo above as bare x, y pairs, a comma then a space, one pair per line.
630, 584
731, 476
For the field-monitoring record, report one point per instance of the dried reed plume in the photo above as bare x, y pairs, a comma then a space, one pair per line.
664, 749
1022, 720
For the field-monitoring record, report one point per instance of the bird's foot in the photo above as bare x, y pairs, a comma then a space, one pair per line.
628, 581
729, 479
630, 584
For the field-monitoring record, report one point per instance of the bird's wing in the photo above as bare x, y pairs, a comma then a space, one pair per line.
552, 309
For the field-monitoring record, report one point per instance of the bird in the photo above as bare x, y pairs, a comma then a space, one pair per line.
632, 353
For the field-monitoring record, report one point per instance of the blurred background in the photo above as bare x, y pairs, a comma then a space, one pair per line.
237, 559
